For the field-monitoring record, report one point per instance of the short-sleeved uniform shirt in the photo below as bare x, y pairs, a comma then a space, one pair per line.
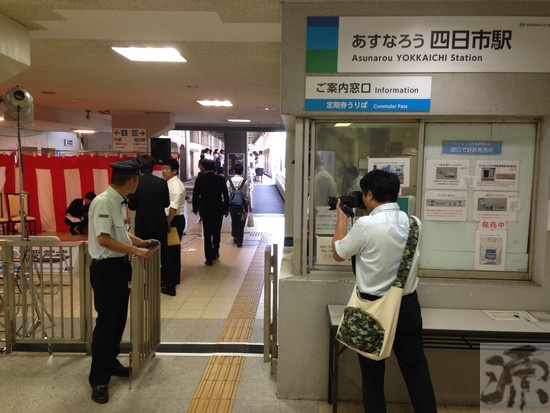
378, 241
107, 216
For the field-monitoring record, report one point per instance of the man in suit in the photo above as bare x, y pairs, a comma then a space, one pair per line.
211, 201
149, 201
77, 214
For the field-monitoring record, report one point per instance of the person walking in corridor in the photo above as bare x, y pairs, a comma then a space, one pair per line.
240, 203
211, 201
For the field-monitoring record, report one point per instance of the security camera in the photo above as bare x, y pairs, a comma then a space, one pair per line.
17, 105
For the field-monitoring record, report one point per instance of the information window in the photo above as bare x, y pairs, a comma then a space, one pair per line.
473, 193
344, 152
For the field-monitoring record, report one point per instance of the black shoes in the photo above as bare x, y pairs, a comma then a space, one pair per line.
100, 394
121, 371
168, 291
209, 263
73, 231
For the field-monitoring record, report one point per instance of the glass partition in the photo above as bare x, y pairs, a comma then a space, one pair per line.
344, 152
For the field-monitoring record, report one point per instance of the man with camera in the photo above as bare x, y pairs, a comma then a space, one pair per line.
378, 240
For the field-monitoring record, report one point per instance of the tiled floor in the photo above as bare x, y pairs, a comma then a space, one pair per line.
223, 303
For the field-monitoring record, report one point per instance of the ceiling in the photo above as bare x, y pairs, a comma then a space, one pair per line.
232, 49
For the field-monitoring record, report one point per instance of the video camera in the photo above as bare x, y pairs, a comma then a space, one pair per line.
347, 202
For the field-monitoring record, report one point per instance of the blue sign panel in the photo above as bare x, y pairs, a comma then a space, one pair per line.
371, 105
472, 147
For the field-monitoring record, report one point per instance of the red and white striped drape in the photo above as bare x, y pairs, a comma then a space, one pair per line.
52, 183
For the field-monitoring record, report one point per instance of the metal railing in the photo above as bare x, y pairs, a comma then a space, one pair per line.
144, 311
47, 296
271, 298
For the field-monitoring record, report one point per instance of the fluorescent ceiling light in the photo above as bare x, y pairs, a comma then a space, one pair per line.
84, 131
342, 125
215, 102
150, 54
239, 120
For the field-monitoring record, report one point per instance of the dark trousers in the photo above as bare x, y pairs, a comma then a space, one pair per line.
80, 226
174, 255
110, 284
409, 350
238, 221
212, 227
165, 264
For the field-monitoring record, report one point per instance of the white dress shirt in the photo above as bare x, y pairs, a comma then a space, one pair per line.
177, 195
378, 241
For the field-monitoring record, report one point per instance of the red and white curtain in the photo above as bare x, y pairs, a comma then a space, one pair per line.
52, 183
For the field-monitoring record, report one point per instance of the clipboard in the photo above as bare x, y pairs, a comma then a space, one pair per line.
173, 237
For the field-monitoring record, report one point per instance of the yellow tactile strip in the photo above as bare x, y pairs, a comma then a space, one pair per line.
218, 386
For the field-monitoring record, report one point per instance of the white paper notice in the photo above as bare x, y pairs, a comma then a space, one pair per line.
324, 252
399, 166
497, 175
445, 206
501, 206
446, 174
490, 252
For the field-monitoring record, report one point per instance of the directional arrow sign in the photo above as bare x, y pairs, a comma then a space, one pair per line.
129, 140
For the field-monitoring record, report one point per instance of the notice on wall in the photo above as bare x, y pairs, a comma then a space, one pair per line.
398, 166
490, 252
445, 206
501, 206
497, 175
324, 252
325, 221
446, 174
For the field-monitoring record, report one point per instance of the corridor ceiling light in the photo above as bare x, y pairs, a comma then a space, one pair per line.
342, 125
84, 131
150, 54
215, 102
239, 120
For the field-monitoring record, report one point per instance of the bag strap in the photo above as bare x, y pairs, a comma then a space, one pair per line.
231, 184
408, 254
242, 184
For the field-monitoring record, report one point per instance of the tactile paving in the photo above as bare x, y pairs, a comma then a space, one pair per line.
218, 386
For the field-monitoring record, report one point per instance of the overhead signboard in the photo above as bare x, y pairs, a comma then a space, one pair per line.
428, 44
129, 140
368, 94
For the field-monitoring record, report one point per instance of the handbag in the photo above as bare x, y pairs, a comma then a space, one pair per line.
173, 237
368, 327
250, 222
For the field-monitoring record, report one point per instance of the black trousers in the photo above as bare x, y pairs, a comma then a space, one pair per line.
80, 226
165, 264
409, 350
173, 274
238, 221
212, 227
109, 280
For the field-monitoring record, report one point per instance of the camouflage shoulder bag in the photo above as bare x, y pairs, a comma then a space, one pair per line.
368, 327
